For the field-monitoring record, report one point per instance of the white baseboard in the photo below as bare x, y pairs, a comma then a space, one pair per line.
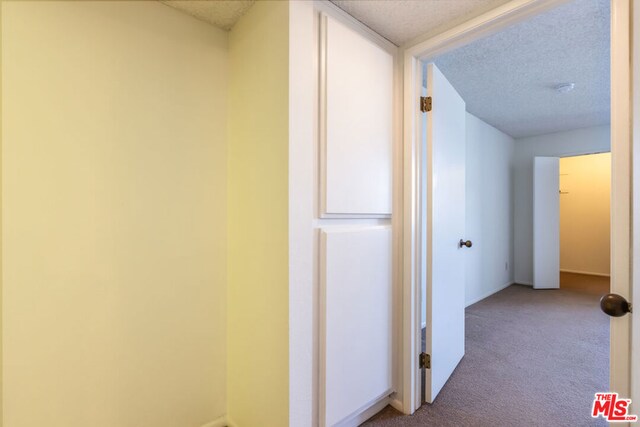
588, 273
397, 405
219, 422
523, 282
488, 294
352, 421
363, 415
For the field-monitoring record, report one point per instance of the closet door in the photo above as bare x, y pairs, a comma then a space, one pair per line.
356, 247
546, 222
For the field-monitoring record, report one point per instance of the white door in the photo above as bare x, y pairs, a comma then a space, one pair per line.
546, 222
445, 226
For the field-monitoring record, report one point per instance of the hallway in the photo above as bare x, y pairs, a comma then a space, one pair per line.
533, 358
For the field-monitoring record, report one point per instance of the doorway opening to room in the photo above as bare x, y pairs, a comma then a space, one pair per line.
571, 223
520, 93
585, 223
502, 115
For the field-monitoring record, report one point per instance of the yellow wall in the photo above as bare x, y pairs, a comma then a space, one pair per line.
258, 220
114, 216
585, 213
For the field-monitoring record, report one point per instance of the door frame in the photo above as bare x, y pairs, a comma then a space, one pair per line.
621, 101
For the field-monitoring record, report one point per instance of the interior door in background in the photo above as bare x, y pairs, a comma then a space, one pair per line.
546, 223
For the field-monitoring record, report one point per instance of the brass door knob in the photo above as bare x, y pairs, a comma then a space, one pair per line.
467, 244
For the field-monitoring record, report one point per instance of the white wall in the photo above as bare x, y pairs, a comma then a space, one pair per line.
489, 208
561, 144
585, 211
114, 215
303, 243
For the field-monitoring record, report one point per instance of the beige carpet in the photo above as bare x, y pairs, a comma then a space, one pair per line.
585, 283
533, 358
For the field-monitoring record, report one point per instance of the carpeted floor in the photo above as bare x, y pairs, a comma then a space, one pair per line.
533, 358
585, 283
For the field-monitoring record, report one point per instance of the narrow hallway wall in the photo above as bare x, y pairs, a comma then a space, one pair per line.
258, 206
114, 215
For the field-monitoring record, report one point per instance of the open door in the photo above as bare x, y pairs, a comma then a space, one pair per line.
546, 223
444, 218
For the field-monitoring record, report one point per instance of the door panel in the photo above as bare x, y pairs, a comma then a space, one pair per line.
445, 226
546, 222
356, 123
356, 309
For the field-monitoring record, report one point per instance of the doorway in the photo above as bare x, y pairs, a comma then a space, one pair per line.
619, 148
585, 223
476, 249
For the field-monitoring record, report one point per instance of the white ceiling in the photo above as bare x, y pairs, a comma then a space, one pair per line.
221, 13
508, 79
400, 21
397, 20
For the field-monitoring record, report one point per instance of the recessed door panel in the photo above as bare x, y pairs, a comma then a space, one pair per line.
356, 123
355, 320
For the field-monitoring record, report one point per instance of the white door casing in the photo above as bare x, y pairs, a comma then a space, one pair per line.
635, 327
546, 223
445, 226
621, 359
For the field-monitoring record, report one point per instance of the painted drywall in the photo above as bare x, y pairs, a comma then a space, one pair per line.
258, 250
489, 209
562, 144
585, 224
303, 194
114, 219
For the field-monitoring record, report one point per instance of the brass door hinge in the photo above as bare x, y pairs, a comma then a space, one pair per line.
425, 103
425, 361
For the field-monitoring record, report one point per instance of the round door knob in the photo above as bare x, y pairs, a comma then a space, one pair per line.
468, 243
615, 305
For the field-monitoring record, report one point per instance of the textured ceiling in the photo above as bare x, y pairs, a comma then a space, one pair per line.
400, 21
508, 79
221, 13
